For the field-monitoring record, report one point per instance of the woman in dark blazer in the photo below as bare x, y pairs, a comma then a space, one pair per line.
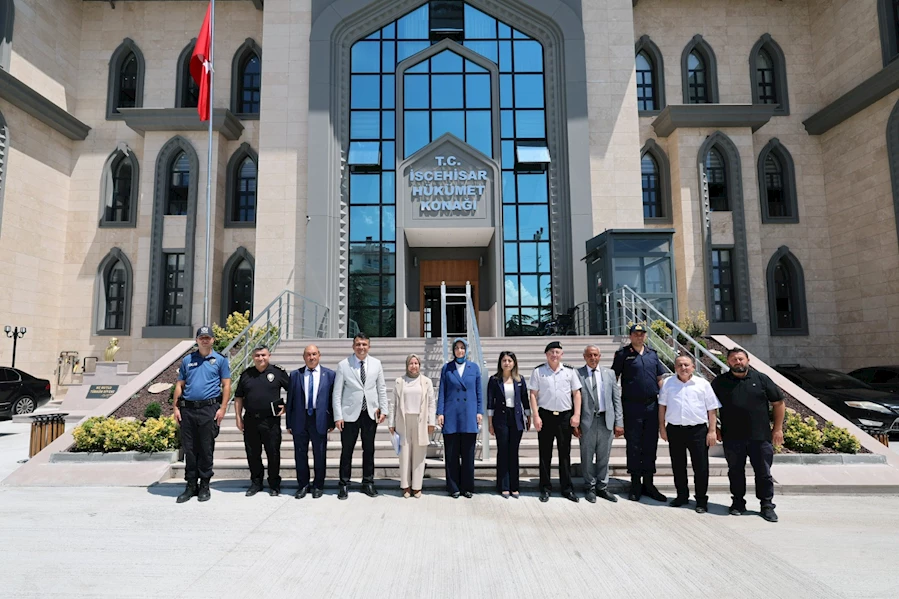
510, 415
460, 408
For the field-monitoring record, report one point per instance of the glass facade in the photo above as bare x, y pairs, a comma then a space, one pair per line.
446, 93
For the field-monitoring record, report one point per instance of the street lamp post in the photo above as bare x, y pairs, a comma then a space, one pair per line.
14, 334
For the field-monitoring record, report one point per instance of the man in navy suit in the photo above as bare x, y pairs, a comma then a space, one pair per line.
309, 418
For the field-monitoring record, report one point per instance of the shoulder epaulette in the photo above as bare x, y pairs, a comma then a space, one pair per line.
279, 367
569, 366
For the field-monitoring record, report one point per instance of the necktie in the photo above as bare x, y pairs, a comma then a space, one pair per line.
362, 376
593, 387
309, 397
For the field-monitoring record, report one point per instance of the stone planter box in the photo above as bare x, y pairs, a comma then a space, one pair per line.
828, 459
113, 457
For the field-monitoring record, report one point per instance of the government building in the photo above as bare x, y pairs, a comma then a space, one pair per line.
738, 157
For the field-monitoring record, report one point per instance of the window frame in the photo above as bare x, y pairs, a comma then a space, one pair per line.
652, 148
705, 52
733, 285
767, 43
165, 290
182, 75
232, 189
784, 256
107, 186
240, 255
115, 256
775, 147
7, 28
4, 162
113, 91
888, 19
647, 46
248, 48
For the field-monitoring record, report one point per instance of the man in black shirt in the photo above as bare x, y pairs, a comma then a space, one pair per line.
259, 392
746, 429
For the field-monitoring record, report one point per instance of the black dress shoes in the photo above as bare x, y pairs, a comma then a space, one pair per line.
768, 513
570, 496
736, 510
455, 495
274, 491
653, 493
316, 493
467, 494
254, 488
590, 496
301, 493
544, 496
369, 489
635, 494
342, 492
604, 493
678, 502
701, 509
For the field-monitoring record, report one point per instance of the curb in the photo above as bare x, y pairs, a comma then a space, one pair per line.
64, 457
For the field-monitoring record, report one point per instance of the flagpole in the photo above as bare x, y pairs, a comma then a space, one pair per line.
206, 282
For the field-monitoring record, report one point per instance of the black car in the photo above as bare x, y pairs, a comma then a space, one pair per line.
882, 378
871, 410
21, 393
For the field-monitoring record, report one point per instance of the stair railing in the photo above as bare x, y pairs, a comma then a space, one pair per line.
625, 307
288, 316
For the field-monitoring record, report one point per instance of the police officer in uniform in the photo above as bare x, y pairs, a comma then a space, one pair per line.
258, 408
201, 400
640, 371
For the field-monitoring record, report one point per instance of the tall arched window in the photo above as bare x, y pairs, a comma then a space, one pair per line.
178, 186
768, 75
119, 189
650, 77
699, 73
114, 286
126, 79
716, 172
786, 294
246, 80
237, 283
777, 184
652, 197
240, 204
187, 92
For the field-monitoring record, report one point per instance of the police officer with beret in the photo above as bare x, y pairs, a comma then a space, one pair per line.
201, 400
258, 408
640, 371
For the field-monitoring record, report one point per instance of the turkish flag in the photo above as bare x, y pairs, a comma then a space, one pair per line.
201, 67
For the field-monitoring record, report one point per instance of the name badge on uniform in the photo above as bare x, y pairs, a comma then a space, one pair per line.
270, 377
631, 358
212, 360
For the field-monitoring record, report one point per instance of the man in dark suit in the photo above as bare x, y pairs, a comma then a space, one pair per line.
309, 418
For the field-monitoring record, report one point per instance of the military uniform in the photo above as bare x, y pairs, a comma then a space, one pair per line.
639, 374
260, 394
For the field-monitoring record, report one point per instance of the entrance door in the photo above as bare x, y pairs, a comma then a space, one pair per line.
455, 273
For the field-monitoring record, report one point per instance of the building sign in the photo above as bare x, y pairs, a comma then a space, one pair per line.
101, 391
448, 187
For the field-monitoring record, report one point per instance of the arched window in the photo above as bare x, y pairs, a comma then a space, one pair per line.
119, 189
241, 189
246, 80
187, 92
888, 15
4, 159
126, 79
656, 186
650, 76
716, 173
699, 73
7, 22
114, 286
237, 285
768, 75
777, 184
178, 186
786, 294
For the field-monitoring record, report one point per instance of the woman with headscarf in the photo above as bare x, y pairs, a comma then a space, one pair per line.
510, 416
460, 408
411, 414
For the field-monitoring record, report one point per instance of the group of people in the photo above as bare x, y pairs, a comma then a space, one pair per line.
559, 401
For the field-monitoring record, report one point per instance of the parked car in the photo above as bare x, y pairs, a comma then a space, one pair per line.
21, 393
871, 410
882, 378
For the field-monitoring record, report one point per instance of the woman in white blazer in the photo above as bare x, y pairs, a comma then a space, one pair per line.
412, 414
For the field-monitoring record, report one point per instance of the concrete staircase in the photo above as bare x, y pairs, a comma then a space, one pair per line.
230, 456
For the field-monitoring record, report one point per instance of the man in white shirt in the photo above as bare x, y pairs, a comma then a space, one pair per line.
555, 391
687, 405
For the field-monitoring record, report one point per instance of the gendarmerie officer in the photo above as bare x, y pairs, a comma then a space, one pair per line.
201, 400
258, 408
640, 371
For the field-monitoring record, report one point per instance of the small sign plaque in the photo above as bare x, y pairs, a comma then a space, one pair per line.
101, 391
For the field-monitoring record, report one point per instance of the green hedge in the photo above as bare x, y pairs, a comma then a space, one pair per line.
804, 436
107, 435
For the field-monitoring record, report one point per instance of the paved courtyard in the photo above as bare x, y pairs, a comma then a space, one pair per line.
132, 542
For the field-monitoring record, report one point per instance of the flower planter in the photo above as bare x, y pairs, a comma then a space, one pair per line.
113, 457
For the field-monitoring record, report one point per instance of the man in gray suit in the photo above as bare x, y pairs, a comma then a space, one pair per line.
602, 420
360, 405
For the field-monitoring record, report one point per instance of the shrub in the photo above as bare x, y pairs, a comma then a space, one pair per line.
693, 324
802, 435
660, 328
87, 435
119, 434
840, 439
234, 326
153, 410
158, 434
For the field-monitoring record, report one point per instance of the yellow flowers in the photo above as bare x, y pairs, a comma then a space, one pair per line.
100, 433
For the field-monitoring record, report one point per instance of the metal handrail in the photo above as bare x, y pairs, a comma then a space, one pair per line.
633, 307
582, 318
288, 316
476, 355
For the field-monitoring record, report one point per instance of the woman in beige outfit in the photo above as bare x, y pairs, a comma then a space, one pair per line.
412, 413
